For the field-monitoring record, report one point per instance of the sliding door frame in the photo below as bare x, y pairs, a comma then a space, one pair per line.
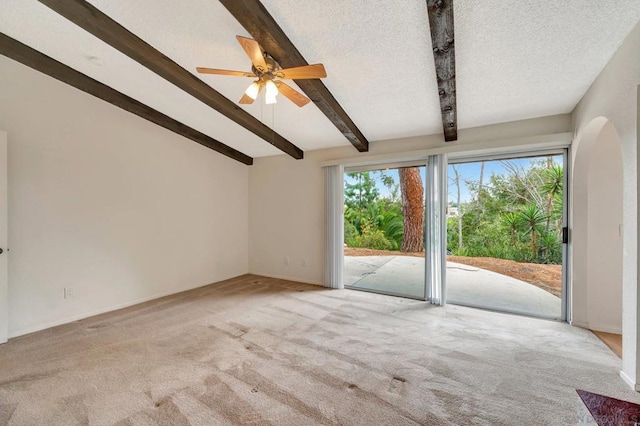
388, 166
459, 158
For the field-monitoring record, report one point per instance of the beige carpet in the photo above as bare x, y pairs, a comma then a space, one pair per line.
254, 350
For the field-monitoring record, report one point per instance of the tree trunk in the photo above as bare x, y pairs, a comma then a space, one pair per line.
480, 199
549, 205
412, 208
456, 177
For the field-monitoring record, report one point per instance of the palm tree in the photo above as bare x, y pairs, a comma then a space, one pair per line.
551, 187
512, 221
532, 218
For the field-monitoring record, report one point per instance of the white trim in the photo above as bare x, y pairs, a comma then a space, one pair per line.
395, 165
283, 277
628, 381
511, 145
605, 328
49, 324
591, 327
4, 241
579, 324
567, 212
465, 157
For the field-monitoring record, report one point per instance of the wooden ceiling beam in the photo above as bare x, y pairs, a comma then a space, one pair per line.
106, 29
32, 58
253, 16
442, 40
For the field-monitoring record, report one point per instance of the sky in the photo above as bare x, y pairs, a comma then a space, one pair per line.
470, 172
377, 175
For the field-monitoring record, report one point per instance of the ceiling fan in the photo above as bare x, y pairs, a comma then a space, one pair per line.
269, 75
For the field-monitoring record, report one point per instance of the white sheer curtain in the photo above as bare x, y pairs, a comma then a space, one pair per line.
333, 226
436, 229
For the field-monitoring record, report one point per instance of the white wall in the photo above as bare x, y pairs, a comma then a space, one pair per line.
614, 96
596, 199
286, 196
110, 204
604, 211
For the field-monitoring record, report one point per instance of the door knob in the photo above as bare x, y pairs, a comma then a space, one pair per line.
1, 251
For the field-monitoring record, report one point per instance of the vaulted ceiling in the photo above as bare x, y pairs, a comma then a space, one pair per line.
514, 60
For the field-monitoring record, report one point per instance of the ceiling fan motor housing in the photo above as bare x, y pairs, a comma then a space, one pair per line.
272, 66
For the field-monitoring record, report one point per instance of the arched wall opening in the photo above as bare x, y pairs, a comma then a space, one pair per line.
596, 223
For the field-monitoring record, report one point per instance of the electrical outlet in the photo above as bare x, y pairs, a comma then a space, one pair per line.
304, 262
286, 260
68, 293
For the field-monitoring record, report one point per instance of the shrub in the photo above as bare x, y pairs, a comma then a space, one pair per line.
392, 227
350, 232
550, 250
371, 238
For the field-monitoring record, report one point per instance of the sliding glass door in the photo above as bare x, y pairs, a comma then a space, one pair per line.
505, 223
491, 235
384, 229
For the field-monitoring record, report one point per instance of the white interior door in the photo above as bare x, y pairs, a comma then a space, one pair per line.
4, 283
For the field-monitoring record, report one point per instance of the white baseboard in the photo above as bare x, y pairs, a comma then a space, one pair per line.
66, 320
282, 277
606, 328
598, 327
632, 384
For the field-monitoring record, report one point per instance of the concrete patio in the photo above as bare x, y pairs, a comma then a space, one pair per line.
466, 285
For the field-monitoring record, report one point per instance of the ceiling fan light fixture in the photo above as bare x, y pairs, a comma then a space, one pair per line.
269, 100
271, 91
253, 90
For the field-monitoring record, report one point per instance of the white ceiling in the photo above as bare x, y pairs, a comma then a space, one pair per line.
518, 59
514, 60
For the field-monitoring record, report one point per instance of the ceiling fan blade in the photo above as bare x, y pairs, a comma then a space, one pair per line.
203, 70
292, 94
254, 52
304, 72
246, 99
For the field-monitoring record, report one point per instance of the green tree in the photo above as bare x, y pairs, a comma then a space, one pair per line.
532, 219
360, 198
390, 183
362, 192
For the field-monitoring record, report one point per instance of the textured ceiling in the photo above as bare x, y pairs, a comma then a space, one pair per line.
514, 59
379, 60
532, 58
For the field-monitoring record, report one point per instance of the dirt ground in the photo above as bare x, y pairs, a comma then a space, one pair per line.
546, 277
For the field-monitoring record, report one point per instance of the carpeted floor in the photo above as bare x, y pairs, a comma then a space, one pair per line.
255, 350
